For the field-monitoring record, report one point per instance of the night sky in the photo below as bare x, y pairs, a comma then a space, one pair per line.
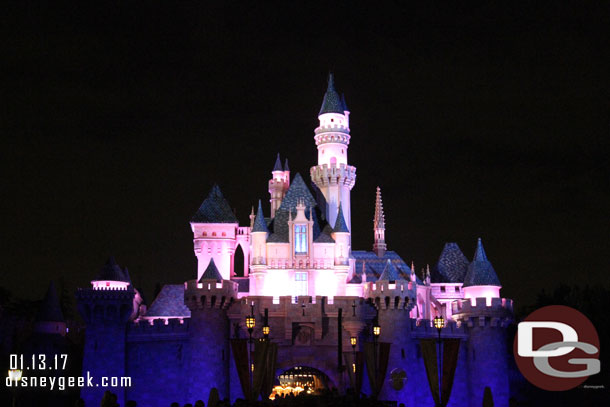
488, 120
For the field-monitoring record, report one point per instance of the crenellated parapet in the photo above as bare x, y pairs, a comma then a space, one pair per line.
398, 294
209, 294
105, 304
328, 175
481, 312
158, 329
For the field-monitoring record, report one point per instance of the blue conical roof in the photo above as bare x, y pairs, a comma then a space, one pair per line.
211, 273
332, 102
278, 164
286, 168
480, 271
340, 224
259, 222
343, 103
214, 209
452, 265
390, 273
50, 309
111, 271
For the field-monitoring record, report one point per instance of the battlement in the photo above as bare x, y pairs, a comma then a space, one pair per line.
483, 311
308, 305
105, 305
424, 328
392, 295
107, 294
334, 174
154, 329
209, 294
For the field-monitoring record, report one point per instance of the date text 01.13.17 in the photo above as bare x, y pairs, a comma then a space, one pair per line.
38, 362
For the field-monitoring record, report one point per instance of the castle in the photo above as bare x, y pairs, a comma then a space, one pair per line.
300, 269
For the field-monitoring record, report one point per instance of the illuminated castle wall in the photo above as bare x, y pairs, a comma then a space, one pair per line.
300, 266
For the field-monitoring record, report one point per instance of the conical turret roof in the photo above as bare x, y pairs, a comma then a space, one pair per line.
111, 271
50, 308
214, 209
390, 273
211, 273
259, 222
332, 102
452, 265
340, 224
480, 271
278, 164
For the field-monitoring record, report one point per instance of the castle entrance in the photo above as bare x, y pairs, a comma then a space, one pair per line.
300, 379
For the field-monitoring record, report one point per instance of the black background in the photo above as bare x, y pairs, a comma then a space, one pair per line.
482, 120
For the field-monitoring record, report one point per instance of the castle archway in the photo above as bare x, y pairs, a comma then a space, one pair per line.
299, 379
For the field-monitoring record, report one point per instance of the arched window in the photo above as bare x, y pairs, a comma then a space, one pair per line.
300, 239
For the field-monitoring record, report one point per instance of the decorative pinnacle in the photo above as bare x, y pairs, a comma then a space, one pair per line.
379, 221
286, 168
479, 254
278, 164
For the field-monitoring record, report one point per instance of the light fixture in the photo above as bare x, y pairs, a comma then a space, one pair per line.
353, 341
376, 330
250, 322
439, 322
15, 375
266, 330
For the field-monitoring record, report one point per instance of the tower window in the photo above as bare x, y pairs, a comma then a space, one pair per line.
300, 239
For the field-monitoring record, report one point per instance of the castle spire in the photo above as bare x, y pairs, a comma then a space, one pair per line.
379, 247
332, 102
259, 224
340, 224
278, 164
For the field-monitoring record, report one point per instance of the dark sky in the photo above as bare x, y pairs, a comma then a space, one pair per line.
487, 120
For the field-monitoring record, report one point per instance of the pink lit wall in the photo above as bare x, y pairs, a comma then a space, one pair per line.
482, 291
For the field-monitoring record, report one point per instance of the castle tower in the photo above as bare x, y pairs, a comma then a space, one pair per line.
485, 317
209, 332
50, 319
258, 267
481, 279
278, 184
394, 296
379, 247
343, 248
106, 307
215, 229
333, 176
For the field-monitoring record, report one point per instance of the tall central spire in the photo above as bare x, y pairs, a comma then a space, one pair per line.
379, 247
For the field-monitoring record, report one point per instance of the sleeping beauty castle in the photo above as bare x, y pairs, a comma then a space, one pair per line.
285, 303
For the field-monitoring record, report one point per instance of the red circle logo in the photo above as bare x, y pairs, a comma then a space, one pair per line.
556, 348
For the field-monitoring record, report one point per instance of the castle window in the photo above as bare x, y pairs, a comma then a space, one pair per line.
457, 289
300, 239
213, 233
205, 233
442, 288
300, 280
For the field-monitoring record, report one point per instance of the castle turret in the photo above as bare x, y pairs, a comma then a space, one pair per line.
50, 319
258, 267
379, 247
481, 279
106, 307
485, 317
208, 298
278, 184
333, 176
215, 228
